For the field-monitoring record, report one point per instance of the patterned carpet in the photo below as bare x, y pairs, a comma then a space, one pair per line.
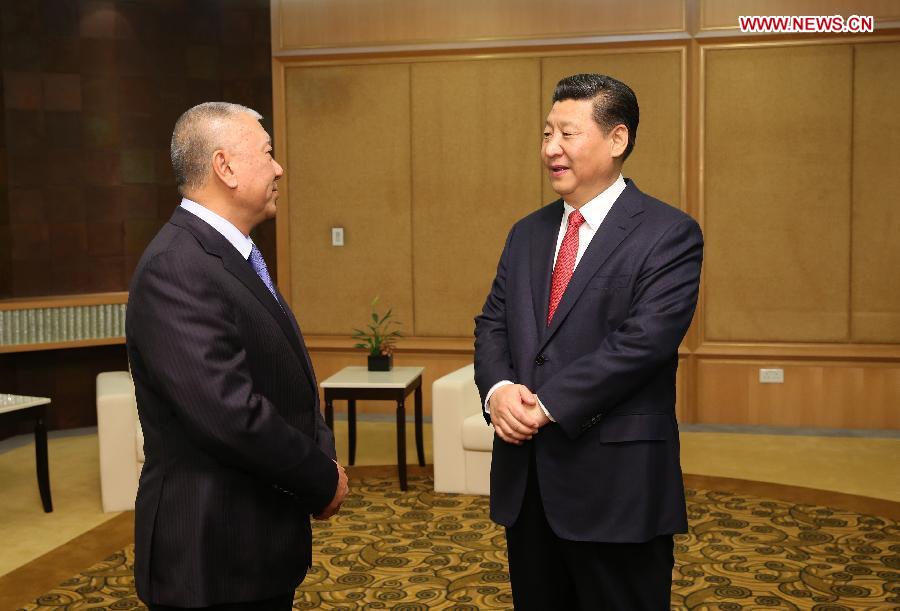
419, 550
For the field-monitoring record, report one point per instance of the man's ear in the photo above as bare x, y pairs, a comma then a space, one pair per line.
222, 168
618, 138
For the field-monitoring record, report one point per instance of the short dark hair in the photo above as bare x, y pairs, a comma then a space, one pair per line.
614, 102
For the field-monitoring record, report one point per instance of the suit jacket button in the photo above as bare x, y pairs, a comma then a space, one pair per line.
540, 360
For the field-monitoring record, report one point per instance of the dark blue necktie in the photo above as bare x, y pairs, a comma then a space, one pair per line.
259, 266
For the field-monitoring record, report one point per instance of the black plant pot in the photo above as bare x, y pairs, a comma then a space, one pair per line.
382, 362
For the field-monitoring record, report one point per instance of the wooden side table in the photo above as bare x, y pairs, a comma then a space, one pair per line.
19, 407
358, 383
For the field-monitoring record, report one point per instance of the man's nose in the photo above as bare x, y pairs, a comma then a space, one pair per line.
279, 171
551, 146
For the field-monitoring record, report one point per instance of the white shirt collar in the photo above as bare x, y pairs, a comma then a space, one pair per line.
242, 243
596, 210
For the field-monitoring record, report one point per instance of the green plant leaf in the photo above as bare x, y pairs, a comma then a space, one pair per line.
380, 331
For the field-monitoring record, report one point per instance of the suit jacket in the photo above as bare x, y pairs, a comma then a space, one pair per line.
237, 455
608, 469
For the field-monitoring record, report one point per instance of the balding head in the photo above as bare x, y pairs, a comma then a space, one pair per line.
199, 132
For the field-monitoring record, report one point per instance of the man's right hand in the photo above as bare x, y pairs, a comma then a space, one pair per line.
342, 489
512, 413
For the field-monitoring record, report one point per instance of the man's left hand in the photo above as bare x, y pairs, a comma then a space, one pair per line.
540, 417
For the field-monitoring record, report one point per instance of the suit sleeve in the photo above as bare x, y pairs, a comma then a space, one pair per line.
493, 361
665, 297
188, 343
325, 437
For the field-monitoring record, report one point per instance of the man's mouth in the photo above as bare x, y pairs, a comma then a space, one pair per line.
557, 170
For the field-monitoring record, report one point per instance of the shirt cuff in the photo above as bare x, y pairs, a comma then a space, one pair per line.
487, 397
544, 409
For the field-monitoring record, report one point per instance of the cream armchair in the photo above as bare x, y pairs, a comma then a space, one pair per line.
462, 439
121, 440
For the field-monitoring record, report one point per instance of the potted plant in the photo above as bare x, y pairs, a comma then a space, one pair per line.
378, 339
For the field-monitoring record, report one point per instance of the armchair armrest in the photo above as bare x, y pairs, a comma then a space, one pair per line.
116, 435
454, 398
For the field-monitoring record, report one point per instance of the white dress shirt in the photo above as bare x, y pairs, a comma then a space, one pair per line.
242, 243
593, 212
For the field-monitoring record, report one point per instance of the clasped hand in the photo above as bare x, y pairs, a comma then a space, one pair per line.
339, 494
515, 413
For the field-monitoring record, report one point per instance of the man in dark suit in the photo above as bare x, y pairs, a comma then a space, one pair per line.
237, 455
575, 357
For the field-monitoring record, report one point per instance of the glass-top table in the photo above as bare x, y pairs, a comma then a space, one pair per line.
358, 383
23, 407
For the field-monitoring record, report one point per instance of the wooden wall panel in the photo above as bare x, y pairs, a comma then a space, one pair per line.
347, 23
476, 170
655, 163
348, 166
838, 395
723, 14
777, 193
876, 184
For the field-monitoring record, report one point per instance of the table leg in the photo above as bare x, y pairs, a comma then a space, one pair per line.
420, 446
401, 443
351, 428
329, 411
40, 459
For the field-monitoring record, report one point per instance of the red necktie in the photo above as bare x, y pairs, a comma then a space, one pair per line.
565, 263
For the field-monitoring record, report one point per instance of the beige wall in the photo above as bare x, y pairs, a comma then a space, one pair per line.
777, 161
875, 218
349, 168
784, 148
723, 14
303, 24
444, 158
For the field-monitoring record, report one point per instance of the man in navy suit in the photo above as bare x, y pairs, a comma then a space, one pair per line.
575, 357
237, 455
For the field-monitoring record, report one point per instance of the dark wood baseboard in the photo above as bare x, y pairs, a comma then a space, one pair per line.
797, 494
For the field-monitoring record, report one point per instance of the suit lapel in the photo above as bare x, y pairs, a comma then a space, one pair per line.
216, 244
622, 219
307, 362
543, 243
236, 265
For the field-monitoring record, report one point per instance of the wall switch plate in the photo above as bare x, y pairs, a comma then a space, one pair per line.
771, 376
337, 236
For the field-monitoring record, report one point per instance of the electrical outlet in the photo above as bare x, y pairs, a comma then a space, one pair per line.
337, 236
771, 376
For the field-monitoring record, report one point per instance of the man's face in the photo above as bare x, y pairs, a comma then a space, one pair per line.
256, 170
580, 159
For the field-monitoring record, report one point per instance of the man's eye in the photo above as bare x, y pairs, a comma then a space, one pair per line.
546, 135
567, 134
